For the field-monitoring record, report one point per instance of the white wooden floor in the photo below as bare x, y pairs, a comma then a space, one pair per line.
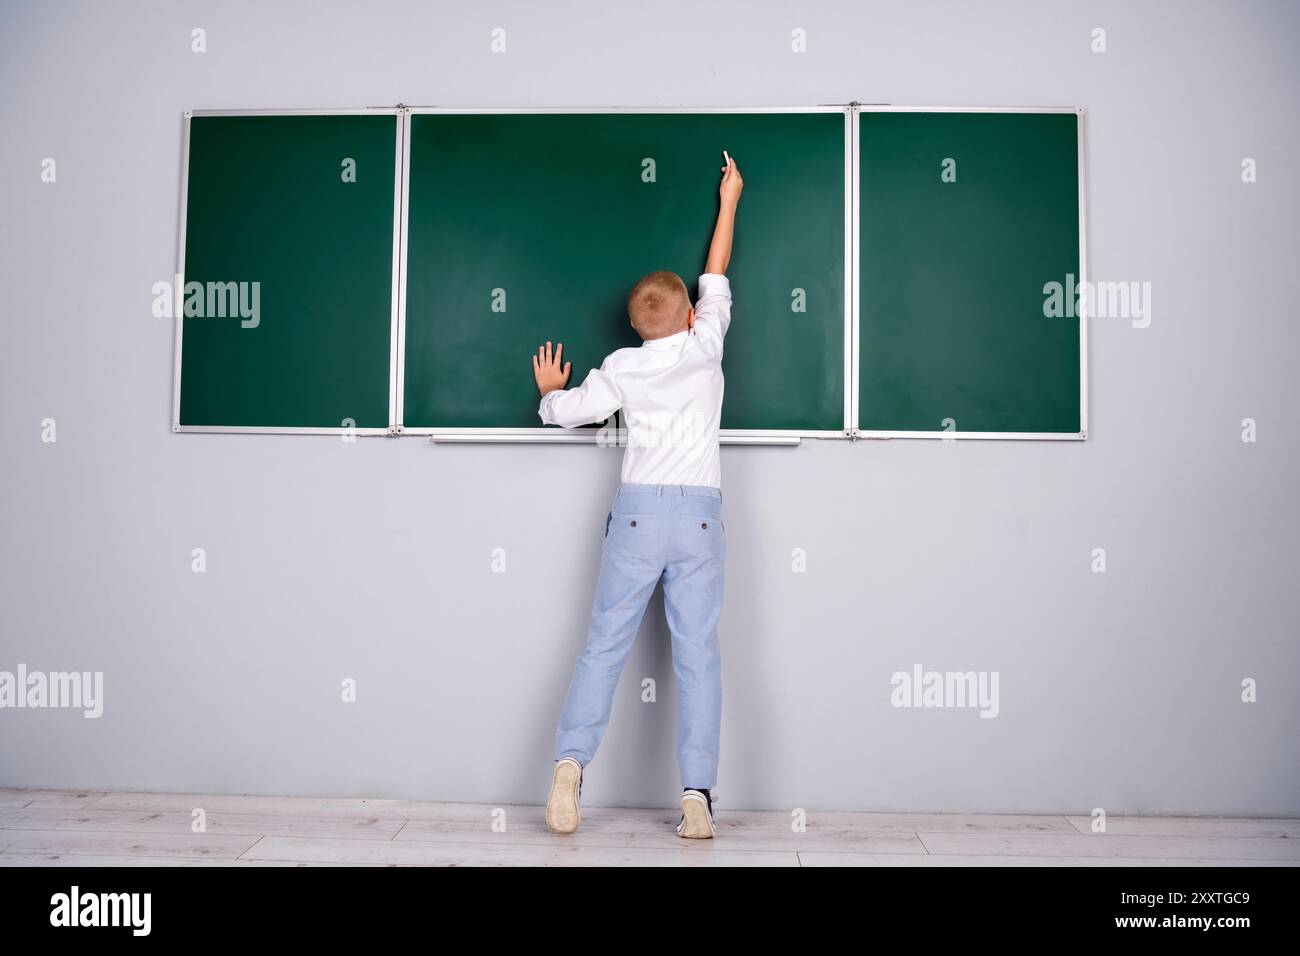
67, 828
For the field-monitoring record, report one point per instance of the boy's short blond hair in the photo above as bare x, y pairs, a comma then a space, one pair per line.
657, 305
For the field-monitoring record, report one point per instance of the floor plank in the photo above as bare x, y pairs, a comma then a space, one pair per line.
531, 831
736, 837
1111, 845
311, 806
128, 844
413, 853
908, 822
217, 823
75, 859
1192, 826
49, 799
879, 859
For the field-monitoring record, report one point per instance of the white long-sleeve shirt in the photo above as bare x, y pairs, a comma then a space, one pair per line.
670, 393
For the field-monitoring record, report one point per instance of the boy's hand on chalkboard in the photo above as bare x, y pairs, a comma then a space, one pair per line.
732, 184
551, 375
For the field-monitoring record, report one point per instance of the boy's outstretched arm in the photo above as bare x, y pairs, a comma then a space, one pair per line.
713, 307
729, 197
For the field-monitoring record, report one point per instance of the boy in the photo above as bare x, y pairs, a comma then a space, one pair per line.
665, 522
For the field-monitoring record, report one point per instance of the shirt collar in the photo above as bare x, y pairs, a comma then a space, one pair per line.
668, 341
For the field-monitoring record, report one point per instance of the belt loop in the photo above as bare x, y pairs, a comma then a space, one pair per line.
660, 491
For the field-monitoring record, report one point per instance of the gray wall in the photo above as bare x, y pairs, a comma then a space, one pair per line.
372, 560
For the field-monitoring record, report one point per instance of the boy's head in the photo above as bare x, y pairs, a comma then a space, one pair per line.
659, 305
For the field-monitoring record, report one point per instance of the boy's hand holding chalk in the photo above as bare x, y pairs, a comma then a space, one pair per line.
732, 184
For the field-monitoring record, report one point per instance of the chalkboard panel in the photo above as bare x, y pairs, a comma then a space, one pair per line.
964, 217
527, 227
272, 200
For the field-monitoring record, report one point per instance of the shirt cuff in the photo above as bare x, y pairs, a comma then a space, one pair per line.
544, 408
712, 283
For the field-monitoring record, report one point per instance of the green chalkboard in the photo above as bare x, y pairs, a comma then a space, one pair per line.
267, 201
563, 212
952, 273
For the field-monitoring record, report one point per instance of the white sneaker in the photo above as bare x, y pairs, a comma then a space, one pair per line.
697, 816
562, 813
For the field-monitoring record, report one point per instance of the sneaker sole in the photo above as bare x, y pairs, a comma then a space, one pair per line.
562, 814
696, 826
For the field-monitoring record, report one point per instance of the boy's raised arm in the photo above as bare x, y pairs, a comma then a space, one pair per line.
713, 307
729, 197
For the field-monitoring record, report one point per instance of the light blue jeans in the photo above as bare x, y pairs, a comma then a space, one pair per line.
653, 532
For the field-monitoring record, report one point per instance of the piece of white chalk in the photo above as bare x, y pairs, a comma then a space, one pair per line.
726, 157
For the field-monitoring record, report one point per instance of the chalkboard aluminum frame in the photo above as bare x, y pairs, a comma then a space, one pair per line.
399, 216
1082, 433
728, 436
